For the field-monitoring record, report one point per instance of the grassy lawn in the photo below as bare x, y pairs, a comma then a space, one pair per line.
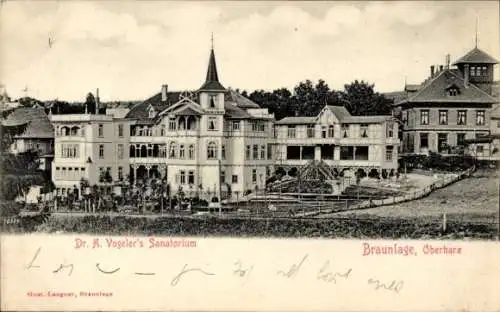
472, 199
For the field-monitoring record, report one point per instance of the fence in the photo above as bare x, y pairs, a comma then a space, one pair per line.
415, 195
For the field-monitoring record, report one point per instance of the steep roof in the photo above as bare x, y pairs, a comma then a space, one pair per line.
339, 111
476, 56
235, 105
212, 80
141, 111
38, 123
239, 100
435, 90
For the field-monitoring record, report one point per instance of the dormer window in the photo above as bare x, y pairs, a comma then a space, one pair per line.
151, 112
453, 90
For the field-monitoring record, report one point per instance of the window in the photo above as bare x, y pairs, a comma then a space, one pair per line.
345, 130
212, 126
478, 71
223, 152
222, 176
183, 177
70, 151
442, 142
479, 149
100, 131
236, 125
473, 70
388, 152
453, 91
181, 151
346, 152
424, 140
191, 177
462, 117
101, 151
390, 130
172, 151
254, 176
262, 152
424, 117
191, 151
120, 151
120, 130
234, 178
162, 130
310, 131
330, 131
255, 153
364, 130
172, 125
212, 101
254, 126
269, 151
247, 152
291, 131
484, 70
443, 117
480, 118
460, 139
120, 173
498, 124
211, 150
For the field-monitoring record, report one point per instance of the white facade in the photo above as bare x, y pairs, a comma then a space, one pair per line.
339, 139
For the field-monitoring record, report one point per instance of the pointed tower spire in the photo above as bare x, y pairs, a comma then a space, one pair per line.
212, 80
476, 32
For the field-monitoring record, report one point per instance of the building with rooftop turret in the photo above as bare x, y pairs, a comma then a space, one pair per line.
451, 107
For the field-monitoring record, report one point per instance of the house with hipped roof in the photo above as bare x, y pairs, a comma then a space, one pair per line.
450, 108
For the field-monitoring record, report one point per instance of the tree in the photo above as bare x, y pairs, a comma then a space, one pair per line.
90, 103
361, 99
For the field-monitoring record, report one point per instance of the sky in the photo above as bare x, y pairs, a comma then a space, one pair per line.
128, 49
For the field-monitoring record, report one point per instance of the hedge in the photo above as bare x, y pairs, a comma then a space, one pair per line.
390, 228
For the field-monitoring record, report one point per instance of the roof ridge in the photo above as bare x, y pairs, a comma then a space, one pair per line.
474, 86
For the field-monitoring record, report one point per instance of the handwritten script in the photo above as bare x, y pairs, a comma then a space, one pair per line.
328, 272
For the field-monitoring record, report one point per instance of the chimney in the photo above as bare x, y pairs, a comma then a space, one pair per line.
432, 71
164, 89
97, 101
447, 61
466, 75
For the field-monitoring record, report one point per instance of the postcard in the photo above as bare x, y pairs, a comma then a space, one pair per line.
249, 156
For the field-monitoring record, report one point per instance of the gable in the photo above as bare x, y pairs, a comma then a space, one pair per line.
185, 105
326, 116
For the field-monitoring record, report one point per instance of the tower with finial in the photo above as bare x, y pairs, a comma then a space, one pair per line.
211, 93
477, 66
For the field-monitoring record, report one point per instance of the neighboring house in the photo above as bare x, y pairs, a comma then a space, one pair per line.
450, 108
194, 140
343, 141
32, 131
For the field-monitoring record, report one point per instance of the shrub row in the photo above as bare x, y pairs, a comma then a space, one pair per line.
210, 226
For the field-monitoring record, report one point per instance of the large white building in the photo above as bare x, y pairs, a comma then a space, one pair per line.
342, 141
212, 142
193, 140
